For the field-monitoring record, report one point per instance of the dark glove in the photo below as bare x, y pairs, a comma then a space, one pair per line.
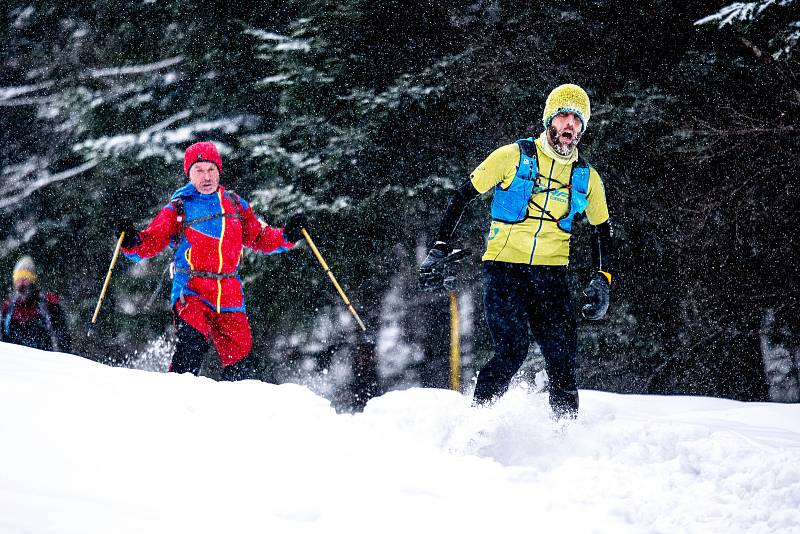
434, 273
597, 298
435, 256
125, 224
295, 222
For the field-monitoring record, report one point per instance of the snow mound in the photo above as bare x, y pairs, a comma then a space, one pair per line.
89, 448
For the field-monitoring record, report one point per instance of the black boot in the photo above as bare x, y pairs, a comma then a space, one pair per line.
244, 369
564, 404
190, 350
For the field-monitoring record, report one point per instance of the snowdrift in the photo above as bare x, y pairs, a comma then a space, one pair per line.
93, 449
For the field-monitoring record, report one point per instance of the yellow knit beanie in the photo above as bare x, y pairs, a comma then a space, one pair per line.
567, 98
25, 269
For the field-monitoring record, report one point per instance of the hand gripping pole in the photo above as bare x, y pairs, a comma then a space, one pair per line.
333, 278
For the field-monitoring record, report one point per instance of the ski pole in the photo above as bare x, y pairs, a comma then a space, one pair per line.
333, 278
455, 344
105, 284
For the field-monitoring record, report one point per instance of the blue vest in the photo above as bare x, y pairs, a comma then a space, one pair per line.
511, 205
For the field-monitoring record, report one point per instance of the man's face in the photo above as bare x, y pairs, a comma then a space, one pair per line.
24, 289
204, 177
564, 132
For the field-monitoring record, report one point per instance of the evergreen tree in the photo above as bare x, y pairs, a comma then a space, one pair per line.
367, 115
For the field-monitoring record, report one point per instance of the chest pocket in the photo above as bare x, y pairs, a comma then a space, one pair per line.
510, 205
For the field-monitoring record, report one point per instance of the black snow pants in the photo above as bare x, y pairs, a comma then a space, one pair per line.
518, 297
191, 349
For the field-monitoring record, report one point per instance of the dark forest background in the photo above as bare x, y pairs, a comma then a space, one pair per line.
366, 115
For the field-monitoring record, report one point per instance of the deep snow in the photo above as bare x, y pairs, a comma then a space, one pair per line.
87, 448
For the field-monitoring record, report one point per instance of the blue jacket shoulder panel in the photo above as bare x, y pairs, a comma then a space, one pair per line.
184, 192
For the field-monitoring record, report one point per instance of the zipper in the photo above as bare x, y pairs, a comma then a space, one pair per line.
219, 250
541, 221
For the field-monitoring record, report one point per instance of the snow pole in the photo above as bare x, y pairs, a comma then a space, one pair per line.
327, 269
455, 345
105, 284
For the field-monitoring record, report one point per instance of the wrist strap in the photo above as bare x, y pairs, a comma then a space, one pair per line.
607, 275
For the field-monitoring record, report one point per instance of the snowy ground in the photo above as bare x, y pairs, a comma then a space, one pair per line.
86, 449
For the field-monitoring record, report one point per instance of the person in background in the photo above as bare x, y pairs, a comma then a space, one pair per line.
207, 227
32, 316
539, 185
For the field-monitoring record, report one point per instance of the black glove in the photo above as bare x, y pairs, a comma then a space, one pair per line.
438, 269
125, 224
597, 298
295, 222
435, 256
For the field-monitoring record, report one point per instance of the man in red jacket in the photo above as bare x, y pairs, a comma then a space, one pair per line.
207, 227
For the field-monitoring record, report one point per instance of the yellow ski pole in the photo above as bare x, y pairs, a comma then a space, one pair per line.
105, 284
333, 278
455, 344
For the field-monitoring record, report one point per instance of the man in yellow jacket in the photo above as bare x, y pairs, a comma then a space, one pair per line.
539, 187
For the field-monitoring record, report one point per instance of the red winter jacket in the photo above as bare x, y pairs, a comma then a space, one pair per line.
208, 237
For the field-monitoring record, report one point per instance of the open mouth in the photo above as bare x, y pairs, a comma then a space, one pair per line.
567, 137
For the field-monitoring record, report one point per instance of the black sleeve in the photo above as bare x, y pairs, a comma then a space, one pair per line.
455, 208
601, 246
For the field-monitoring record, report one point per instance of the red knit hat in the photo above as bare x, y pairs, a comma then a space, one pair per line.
203, 151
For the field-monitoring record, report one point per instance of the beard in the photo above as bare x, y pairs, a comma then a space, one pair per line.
559, 145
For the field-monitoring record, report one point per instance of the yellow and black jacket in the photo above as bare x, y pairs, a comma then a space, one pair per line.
537, 239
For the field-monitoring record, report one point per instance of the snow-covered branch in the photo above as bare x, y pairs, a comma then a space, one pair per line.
741, 11
18, 189
136, 69
154, 139
280, 43
10, 96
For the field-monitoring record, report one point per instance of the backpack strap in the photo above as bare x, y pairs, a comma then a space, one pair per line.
180, 217
238, 214
206, 274
527, 147
237, 201
7, 319
579, 163
204, 218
